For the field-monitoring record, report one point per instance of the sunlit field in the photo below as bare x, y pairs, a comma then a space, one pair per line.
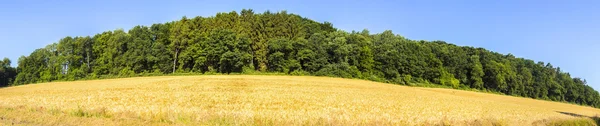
268, 100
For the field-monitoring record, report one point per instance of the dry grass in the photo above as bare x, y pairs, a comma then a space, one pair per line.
267, 100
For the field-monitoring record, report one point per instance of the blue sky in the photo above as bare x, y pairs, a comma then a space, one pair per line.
563, 32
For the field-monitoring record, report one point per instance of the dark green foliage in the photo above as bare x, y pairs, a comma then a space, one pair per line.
340, 70
7, 73
247, 42
476, 73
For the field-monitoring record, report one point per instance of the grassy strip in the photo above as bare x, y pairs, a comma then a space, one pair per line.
574, 122
580, 121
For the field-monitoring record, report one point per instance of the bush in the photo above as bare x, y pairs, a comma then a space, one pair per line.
46, 76
420, 80
398, 80
340, 70
157, 72
448, 79
403, 79
373, 76
126, 72
299, 73
77, 74
93, 76
248, 70
154, 73
211, 70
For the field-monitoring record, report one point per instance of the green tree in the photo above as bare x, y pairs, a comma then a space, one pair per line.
7, 73
179, 37
476, 73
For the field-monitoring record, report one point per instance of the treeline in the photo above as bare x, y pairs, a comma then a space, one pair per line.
287, 43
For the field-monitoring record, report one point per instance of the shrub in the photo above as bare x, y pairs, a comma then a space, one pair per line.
126, 72
299, 73
373, 76
248, 70
340, 70
77, 74
448, 79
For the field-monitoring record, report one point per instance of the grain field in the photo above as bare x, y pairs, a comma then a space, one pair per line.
267, 100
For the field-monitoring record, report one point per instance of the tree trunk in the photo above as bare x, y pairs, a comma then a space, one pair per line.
88, 63
252, 60
175, 59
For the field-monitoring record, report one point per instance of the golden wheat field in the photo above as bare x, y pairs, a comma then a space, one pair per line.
266, 100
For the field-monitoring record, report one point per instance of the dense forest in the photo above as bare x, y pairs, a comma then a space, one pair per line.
287, 43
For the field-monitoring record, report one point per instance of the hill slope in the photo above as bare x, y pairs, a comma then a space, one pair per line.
281, 42
267, 100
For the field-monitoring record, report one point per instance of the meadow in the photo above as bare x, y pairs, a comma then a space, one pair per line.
271, 100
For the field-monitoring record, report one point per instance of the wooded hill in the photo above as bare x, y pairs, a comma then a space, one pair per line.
288, 43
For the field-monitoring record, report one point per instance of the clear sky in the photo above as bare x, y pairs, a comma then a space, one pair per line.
565, 33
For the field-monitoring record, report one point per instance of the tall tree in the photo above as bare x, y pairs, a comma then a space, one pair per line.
179, 37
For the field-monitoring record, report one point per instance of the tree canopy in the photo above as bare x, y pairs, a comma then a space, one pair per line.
288, 43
